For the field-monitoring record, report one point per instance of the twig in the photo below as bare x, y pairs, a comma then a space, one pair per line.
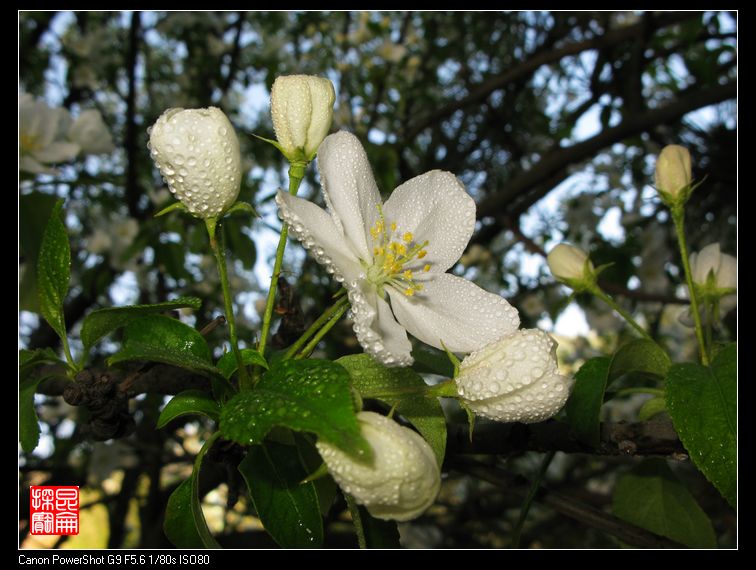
130, 139
590, 516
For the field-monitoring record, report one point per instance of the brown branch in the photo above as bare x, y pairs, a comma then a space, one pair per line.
481, 92
655, 437
564, 505
233, 63
557, 159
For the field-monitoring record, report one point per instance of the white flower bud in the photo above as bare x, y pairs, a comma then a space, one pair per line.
673, 169
302, 111
568, 262
402, 481
198, 155
91, 134
514, 379
711, 260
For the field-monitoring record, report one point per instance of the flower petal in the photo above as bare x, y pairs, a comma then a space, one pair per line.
350, 190
436, 207
28, 164
454, 311
376, 328
315, 229
57, 152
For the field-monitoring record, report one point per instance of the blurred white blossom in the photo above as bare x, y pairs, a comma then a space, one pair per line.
91, 134
41, 130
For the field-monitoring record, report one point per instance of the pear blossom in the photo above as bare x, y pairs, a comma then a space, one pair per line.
397, 253
302, 110
41, 129
91, 134
721, 265
515, 379
198, 155
673, 169
402, 481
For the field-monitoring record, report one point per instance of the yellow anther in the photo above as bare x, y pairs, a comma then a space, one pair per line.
401, 249
409, 292
426, 268
422, 253
377, 251
408, 274
419, 287
393, 226
407, 237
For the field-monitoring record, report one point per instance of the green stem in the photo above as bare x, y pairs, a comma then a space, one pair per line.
596, 290
517, 531
354, 510
296, 173
678, 216
322, 319
220, 259
310, 346
710, 314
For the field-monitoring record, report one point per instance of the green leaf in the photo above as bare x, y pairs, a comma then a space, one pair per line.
433, 361
239, 243
243, 208
304, 395
161, 339
170, 208
33, 213
325, 487
28, 359
102, 322
288, 510
652, 497
587, 397
184, 520
640, 356
651, 407
54, 270
702, 403
28, 423
373, 380
227, 363
186, 403
372, 532
179, 525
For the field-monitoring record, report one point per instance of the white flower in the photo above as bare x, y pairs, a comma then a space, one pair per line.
568, 262
198, 155
722, 266
397, 251
514, 379
403, 479
91, 134
302, 110
41, 129
673, 169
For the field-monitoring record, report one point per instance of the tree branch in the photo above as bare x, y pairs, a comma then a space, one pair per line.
235, 51
483, 90
130, 139
559, 158
654, 437
564, 505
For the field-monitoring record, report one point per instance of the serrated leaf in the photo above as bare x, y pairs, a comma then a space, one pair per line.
54, 270
178, 524
189, 402
184, 520
651, 407
227, 363
33, 213
288, 510
304, 395
702, 403
640, 356
584, 404
373, 380
157, 338
102, 322
652, 497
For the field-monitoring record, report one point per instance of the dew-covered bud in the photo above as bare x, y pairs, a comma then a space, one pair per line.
569, 263
673, 170
403, 479
514, 379
302, 111
197, 153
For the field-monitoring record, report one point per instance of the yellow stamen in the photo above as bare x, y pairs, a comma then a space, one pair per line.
422, 253
409, 292
393, 226
408, 274
426, 268
407, 237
